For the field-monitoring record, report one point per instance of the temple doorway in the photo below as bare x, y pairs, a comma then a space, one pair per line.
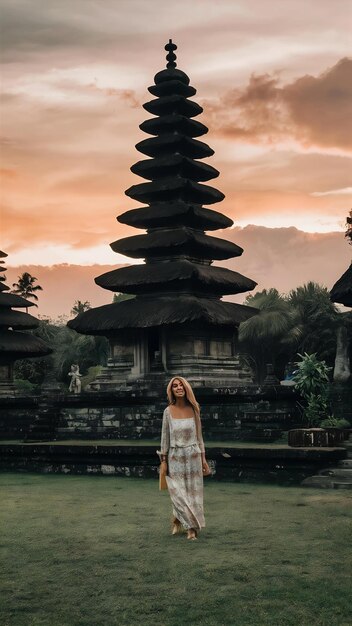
154, 350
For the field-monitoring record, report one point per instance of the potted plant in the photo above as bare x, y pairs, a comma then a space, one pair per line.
337, 422
311, 380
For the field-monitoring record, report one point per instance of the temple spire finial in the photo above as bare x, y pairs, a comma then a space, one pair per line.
171, 56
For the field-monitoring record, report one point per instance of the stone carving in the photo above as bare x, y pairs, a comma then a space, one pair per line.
75, 384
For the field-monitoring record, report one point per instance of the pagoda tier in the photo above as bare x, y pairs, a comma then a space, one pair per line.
172, 105
151, 311
18, 345
173, 189
178, 290
17, 320
13, 344
175, 214
174, 165
176, 242
175, 276
177, 143
342, 290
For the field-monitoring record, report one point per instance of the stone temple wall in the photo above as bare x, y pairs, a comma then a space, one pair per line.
227, 414
247, 413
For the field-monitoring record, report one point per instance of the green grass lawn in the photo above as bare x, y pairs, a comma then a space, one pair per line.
96, 551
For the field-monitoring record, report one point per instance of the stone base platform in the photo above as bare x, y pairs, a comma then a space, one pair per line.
238, 462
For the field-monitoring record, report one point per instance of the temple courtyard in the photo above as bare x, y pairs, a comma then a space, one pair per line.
96, 551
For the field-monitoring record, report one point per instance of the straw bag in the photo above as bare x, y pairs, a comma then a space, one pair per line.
162, 476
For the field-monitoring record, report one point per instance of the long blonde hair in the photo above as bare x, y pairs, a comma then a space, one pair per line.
190, 398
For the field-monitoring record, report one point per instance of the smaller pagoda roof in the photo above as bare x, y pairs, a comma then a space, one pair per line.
342, 290
174, 142
172, 123
180, 241
3, 255
148, 311
168, 214
172, 87
22, 345
171, 188
13, 300
174, 165
17, 320
175, 275
172, 104
3, 287
171, 74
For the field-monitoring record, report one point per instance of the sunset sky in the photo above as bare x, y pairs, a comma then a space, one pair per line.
275, 82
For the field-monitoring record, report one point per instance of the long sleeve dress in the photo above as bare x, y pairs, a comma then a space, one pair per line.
179, 440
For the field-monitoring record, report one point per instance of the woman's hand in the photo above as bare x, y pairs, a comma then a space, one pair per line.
205, 467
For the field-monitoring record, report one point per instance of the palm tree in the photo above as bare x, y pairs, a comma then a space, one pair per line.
25, 287
80, 307
269, 336
318, 320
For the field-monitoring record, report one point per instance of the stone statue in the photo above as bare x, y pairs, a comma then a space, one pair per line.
75, 384
342, 370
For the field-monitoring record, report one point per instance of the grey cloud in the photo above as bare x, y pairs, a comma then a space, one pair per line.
312, 110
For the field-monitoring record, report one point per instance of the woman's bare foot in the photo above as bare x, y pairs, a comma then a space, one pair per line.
176, 526
192, 534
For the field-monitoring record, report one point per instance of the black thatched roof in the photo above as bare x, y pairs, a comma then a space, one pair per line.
342, 290
175, 103
172, 87
148, 312
21, 345
13, 300
174, 188
171, 73
174, 165
17, 320
3, 255
3, 287
175, 276
172, 143
181, 241
176, 214
173, 123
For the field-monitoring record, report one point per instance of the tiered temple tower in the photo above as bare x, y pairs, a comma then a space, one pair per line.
15, 344
177, 324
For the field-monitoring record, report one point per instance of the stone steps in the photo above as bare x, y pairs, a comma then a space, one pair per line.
338, 472
327, 482
347, 463
339, 477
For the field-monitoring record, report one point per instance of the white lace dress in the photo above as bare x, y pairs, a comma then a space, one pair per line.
185, 475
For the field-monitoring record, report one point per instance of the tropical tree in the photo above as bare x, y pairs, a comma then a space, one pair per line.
80, 307
25, 287
317, 321
270, 336
121, 297
71, 347
68, 347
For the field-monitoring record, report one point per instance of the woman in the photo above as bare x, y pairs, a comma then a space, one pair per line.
183, 457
